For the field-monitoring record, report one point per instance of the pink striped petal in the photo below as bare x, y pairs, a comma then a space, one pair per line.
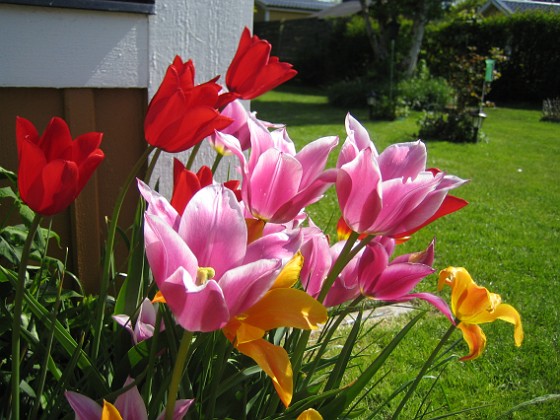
403, 161
180, 410
196, 307
130, 403
158, 205
166, 250
358, 134
372, 264
245, 285
436, 301
84, 407
274, 181
313, 158
214, 228
399, 279
360, 202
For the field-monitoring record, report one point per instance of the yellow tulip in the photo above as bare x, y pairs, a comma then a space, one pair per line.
310, 414
281, 306
472, 305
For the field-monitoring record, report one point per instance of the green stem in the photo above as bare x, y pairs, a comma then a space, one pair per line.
152, 357
193, 155
422, 372
43, 376
348, 252
217, 162
177, 373
325, 339
152, 165
16, 324
111, 234
338, 266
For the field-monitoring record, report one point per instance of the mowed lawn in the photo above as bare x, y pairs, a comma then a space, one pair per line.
508, 237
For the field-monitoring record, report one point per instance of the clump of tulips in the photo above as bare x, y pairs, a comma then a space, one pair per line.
231, 276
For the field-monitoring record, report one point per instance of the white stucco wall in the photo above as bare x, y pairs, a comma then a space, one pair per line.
61, 48
206, 31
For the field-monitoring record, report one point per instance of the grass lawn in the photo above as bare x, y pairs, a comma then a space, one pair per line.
508, 238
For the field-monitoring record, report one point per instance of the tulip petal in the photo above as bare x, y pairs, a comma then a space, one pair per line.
181, 408
244, 285
360, 202
506, 313
403, 160
436, 301
290, 273
84, 407
166, 250
274, 361
286, 308
310, 414
313, 158
358, 135
196, 308
214, 228
110, 412
158, 205
475, 338
130, 404
56, 141
399, 279
275, 180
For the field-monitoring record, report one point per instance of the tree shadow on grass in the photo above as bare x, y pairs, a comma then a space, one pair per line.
294, 113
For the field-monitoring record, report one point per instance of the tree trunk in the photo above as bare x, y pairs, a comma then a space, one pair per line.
372, 36
418, 29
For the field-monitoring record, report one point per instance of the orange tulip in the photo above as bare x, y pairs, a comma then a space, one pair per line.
473, 305
281, 306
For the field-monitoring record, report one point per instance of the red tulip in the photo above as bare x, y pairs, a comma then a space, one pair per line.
186, 184
53, 169
253, 71
180, 114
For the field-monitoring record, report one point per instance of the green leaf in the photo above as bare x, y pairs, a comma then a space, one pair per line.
61, 335
131, 291
539, 400
345, 355
343, 400
9, 175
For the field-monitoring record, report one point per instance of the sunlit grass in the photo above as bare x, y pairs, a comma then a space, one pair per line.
508, 238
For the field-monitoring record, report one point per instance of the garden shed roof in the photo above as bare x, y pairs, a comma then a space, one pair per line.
310, 5
509, 7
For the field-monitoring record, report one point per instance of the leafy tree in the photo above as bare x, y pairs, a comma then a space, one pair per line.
389, 16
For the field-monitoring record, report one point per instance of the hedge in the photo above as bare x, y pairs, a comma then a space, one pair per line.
529, 40
328, 51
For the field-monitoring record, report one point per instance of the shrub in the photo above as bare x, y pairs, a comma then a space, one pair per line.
424, 92
452, 126
349, 93
551, 110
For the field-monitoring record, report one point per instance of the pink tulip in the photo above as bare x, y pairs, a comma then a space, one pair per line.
145, 323
201, 261
129, 404
391, 193
278, 182
239, 127
372, 274
317, 259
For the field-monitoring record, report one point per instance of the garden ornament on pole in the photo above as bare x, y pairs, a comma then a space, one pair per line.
479, 116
